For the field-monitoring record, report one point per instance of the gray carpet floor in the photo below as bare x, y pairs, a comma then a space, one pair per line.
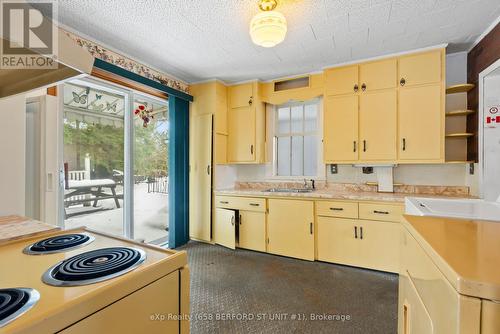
250, 292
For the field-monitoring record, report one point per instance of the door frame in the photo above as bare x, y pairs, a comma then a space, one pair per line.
128, 154
482, 76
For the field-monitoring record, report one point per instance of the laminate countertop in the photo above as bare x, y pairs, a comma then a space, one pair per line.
329, 194
467, 252
16, 227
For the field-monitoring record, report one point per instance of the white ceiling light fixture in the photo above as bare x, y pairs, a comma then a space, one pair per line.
268, 28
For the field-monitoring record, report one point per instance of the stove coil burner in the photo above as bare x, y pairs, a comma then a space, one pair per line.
59, 243
14, 302
94, 266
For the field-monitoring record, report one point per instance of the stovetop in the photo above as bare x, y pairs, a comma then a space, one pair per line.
94, 266
59, 243
14, 302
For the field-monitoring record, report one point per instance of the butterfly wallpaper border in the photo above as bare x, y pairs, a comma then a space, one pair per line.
117, 59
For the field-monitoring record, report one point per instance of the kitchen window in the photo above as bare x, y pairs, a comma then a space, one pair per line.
296, 139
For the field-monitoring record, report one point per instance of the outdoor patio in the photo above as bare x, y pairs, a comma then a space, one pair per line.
150, 215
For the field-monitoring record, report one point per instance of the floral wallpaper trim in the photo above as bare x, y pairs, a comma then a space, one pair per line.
117, 59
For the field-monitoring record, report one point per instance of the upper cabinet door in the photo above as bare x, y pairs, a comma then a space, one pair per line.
340, 130
420, 69
377, 126
241, 95
420, 123
378, 75
342, 80
241, 138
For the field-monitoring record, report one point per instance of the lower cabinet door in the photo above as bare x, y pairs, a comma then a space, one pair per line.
337, 240
290, 226
379, 246
413, 317
224, 228
252, 230
132, 314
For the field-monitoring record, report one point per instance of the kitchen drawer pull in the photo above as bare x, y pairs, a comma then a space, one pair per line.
240, 219
251, 149
223, 202
311, 228
364, 145
355, 232
354, 147
356, 88
337, 209
361, 232
232, 220
363, 87
381, 212
404, 144
254, 204
402, 81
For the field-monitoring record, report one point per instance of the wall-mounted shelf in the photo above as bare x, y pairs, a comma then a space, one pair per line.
462, 88
459, 135
458, 162
459, 113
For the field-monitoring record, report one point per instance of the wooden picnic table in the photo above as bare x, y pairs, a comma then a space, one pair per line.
91, 187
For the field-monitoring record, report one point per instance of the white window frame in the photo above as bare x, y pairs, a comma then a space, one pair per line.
320, 167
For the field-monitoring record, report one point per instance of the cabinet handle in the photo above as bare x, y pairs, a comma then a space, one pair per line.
254, 204
355, 232
361, 232
363, 87
251, 149
240, 220
250, 101
404, 144
232, 220
311, 228
356, 88
208, 169
381, 212
364, 145
402, 82
223, 202
354, 147
337, 209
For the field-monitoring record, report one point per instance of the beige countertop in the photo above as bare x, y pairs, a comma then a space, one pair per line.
467, 252
15, 227
329, 194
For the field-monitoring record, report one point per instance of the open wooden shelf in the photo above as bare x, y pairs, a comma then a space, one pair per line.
462, 88
459, 135
459, 162
460, 112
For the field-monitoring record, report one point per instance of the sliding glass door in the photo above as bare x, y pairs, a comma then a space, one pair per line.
115, 158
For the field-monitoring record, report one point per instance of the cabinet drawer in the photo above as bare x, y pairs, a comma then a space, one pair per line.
337, 209
241, 203
383, 212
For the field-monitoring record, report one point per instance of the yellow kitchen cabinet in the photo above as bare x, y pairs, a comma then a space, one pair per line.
241, 139
252, 230
290, 225
246, 127
342, 80
413, 317
359, 243
241, 95
421, 124
379, 245
225, 228
340, 129
200, 177
421, 68
220, 149
378, 75
378, 126
338, 240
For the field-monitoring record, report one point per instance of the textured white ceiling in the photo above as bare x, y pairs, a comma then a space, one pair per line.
203, 39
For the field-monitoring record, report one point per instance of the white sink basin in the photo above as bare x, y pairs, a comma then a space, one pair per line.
454, 208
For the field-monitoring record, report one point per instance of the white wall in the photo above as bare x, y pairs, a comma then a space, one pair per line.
437, 174
12, 154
